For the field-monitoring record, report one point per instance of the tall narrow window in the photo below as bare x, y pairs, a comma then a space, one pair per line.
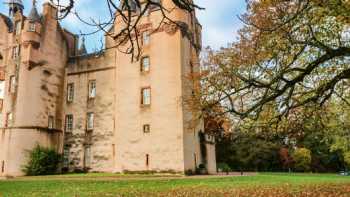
51, 122
147, 160
87, 157
15, 52
66, 153
145, 38
70, 92
31, 27
92, 89
146, 96
2, 89
69, 123
9, 119
145, 64
18, 27
3, 166
12, 85
90, 121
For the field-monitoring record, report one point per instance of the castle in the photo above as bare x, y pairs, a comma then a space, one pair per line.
102, 111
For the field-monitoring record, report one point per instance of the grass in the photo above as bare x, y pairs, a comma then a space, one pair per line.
100, 185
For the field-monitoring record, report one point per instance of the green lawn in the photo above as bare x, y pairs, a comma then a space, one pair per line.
101, 185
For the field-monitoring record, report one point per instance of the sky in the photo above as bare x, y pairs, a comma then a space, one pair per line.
219, 20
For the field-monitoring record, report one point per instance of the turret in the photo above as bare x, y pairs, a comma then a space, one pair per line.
82, 49
32, 28
15, 6
31, 37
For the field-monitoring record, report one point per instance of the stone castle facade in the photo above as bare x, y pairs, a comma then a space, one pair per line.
102, 111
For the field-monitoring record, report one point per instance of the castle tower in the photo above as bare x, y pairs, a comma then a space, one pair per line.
34, 83
154, 129
15, 6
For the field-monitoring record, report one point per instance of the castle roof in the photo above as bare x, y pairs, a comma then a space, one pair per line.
18, 2
82, 49
34, 15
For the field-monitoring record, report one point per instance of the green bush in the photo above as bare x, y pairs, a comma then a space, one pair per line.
42, 161
224, 167
302, 159
347, 159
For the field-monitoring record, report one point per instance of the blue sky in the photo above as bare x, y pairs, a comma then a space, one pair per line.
219, 19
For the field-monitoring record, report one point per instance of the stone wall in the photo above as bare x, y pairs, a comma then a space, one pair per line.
80, 71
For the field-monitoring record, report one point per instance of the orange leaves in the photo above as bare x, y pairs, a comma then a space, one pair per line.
265, 191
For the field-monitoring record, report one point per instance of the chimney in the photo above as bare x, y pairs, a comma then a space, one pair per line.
49, 11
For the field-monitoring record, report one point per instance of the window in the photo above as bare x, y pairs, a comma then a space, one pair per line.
70, 92
147, 160
90, 121
15, 52
87, 156
1, 58
146, 96
31, 27
66, 152
18, 27
12, 85
69, 123
145, 64
145, 38
157, 2
191, 68
2, 89
3, 166
9, 119
146, 128
92, 89
51, 122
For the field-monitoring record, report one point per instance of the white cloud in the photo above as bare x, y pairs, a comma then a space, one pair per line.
219, 20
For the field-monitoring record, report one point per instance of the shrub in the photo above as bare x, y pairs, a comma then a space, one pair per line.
224, 167
189, 172
42, 161
347, 159
302, 159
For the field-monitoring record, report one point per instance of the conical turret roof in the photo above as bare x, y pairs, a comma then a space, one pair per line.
82, 49
34, 15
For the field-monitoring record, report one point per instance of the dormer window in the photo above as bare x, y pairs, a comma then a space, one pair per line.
31, 27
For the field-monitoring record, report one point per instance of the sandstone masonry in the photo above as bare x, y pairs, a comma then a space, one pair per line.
102, 111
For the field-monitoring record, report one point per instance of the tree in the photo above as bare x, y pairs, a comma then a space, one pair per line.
42, 161
302, 159
347, 159
129, 13
290, 52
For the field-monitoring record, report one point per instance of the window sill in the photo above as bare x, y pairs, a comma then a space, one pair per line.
145, 106
145, 72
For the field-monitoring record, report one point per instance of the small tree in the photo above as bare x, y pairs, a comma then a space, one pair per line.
42, 161
347, 159
302, 159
